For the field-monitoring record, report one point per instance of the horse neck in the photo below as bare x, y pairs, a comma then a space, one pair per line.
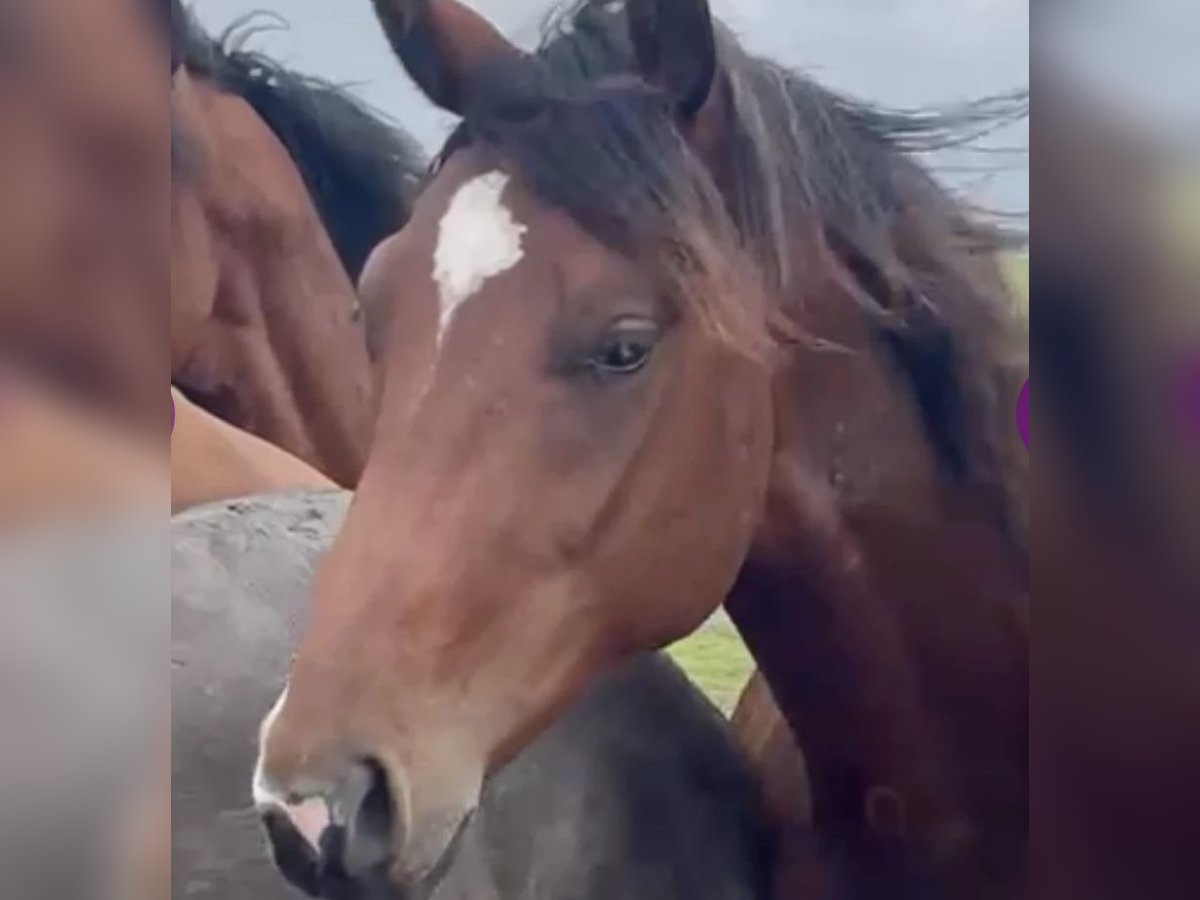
292, 364
888, 612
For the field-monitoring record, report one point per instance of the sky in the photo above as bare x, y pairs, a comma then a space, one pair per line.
1139, 54
901, 53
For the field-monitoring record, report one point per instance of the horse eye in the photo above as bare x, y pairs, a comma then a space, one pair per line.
625, 347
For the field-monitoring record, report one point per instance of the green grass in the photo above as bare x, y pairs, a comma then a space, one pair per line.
717, 661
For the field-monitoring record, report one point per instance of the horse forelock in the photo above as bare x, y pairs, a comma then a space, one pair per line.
809, 182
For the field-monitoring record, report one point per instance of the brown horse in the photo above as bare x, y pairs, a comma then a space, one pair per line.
679, 328
1117, 690
211, 460
283, 185
84, 252
260, 321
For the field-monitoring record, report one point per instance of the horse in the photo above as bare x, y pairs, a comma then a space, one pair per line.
639, 792
1118, 682
211, 460
283, 183
85, 178
84, 262
257, 328
679, 328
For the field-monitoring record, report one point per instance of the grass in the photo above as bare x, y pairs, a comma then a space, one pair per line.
717, 661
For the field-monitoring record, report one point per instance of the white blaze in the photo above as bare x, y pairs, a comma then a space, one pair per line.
478, 239
311, 817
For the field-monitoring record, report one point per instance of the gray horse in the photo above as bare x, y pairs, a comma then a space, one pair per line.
637, 794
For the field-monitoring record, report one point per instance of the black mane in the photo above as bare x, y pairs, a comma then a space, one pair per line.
360, 169
812, 178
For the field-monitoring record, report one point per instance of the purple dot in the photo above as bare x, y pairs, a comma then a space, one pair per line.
1023, 414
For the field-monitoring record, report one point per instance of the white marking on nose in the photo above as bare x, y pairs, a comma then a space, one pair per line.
310, 817
478, 239
263, 795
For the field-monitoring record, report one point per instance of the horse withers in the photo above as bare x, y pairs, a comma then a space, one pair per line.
679, 327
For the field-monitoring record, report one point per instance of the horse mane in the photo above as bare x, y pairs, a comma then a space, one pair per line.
814, 184
360, 168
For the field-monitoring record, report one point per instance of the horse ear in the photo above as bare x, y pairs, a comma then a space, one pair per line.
676, 47
441, 43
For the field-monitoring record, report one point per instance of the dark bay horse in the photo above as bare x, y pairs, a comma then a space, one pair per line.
283, 184
679, 327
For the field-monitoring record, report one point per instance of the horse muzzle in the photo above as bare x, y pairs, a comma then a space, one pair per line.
335, 843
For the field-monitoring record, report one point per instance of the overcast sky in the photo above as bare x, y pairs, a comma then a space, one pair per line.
1140, 55
898, 52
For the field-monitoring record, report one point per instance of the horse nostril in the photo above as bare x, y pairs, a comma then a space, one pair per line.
363, 808
351, 850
